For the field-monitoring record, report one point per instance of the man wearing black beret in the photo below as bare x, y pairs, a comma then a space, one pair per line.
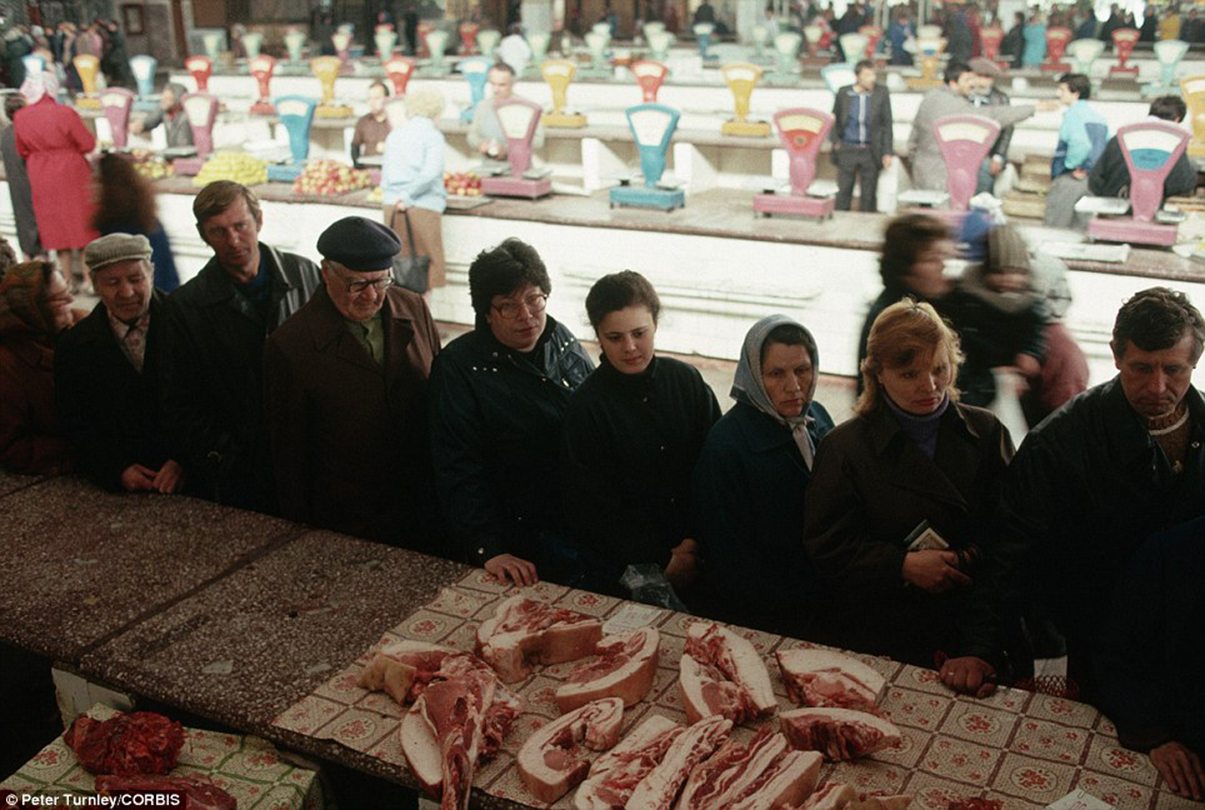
345, 390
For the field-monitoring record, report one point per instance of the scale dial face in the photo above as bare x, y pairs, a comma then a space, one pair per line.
649, 126
263, 64
649, 70
516, 120
293, 106
965, 131
200, 109
1150, 149
116, 100
800, 130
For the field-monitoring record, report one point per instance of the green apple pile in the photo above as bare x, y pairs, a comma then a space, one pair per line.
237, 166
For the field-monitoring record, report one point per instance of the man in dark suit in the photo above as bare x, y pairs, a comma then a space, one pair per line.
861, 136
107, 374
345, 391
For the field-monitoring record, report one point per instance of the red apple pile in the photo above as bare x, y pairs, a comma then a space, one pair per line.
325, 178
462, 184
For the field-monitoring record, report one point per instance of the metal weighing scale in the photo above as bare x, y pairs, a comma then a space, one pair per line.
488, 40
1150, 149
1083, 53
929, 47
327, 68
838, 75
253, 43
296, 116
786, 47
742, 78
341, 39
874, 35
202, 112
659, 44
650, 76
652, 128
117, 102
475, 70
437, 44
812, 35
1193, 89
703, 32
519, 119
1124, 40
213, 42
760, 36
399, 69
143, 67
262, 68
420, 48
468, 36
964, 141
384, 37
558, 73
538, 40
992, 38
87, 66
295, 44
1169, 52
802, 131
597, 42
200, 68
1056, 44
854, 47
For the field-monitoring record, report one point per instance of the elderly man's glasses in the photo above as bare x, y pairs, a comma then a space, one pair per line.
534, 303
359, 286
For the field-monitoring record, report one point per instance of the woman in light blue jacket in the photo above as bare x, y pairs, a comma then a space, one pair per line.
412, 180
1035, 42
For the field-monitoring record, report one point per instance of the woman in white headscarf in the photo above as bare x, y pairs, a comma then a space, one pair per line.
750, 480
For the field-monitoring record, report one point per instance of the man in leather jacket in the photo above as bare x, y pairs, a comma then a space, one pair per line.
498, 398
216, 325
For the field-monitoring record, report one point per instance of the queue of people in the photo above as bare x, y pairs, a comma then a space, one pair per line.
322, 393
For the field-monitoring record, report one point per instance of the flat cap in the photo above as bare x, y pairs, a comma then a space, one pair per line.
985, 67
360, 244
116, 247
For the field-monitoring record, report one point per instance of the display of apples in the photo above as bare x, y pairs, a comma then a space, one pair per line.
462, 184
237, 166
150, 165
326, 178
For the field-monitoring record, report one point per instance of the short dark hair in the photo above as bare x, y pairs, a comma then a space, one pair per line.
13, 102
955, 69
906, 237
788, 334
503, 269
1169, 108
617, 291
863, 64
1077, 83
382, 85
1156, 319
220, 195
502, 66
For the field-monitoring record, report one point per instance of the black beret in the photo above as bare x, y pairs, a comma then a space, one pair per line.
360, 244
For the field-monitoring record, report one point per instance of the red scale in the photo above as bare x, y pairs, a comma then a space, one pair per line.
1056, 44
650, 76
468, 37
262, 68
874, 35
992, 38
1124, 40
802, 131
399, 69
200, 68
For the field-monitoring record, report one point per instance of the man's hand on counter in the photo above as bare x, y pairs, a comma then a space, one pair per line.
1180, 768
509, 568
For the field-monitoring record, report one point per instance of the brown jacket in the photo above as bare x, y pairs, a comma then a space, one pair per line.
349, 439
871, 486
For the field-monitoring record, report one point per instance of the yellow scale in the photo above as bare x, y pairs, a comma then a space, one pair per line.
326, 68
742, 77
1193, 88
559, 73
930, 45
87, 66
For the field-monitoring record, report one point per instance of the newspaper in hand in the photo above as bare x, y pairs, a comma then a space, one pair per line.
925, 537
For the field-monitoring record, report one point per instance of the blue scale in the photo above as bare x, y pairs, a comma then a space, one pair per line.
652, 128
476, 71
1168, 53
296, 115
143, 67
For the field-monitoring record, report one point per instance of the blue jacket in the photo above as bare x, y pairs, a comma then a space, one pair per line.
413, 169
1082, 138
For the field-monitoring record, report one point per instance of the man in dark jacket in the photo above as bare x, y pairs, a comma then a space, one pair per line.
1119, 462
1110, 177
986, 94
861, 136
498, 398
106, 373
345, 396
212, 382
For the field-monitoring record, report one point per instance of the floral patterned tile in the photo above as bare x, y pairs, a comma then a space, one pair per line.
1012, 700
459, 602
1108, 757
591, 604
308, 715
1166, 800
1117, 792
382, 704
389, 749
1046, 740
972, 721
479, 580
425, 625
924, 680
960, 760
539, 694
905, 707
525, 725
931, 792
1061, 710
489, 772
357, 730
343, 687
867, 776
462, 637
1032, 779
909, 752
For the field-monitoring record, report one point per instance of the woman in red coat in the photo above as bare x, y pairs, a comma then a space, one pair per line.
55, 143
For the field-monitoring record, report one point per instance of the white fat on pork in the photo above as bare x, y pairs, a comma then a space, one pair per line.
722, 673
839, 734
551, 761
525, 631
615, 774
757, 775
659, 789
625, 668
828, 678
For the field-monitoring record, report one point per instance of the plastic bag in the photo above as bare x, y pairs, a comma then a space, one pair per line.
646, 583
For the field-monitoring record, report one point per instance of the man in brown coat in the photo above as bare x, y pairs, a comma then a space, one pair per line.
345, 394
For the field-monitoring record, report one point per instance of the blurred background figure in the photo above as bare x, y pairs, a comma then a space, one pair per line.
125, 203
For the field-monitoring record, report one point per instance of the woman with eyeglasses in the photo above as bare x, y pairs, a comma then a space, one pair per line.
498, 398
897, 514
633, 433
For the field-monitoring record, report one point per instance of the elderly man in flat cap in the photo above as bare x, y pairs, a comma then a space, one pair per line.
985, 94
345, 397
106, 374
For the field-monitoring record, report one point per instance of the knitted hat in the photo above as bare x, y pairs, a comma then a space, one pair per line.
116, 247
1006, 248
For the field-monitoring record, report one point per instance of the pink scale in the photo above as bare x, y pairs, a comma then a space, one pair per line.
519, 119
1124, 40
964, 141
1150, 149
116, 102
399, 69
202, 112
802, 131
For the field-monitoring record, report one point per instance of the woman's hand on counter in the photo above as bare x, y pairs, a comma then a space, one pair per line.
969, 675
509, 568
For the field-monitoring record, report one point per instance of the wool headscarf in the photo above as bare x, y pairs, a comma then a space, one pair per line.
747, 386
22, 296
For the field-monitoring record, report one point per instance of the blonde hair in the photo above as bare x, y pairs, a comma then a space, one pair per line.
424, 102
903, 332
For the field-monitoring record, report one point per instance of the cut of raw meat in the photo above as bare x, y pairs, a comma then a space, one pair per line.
659, 789
722, 673
625, 669
759, 775
199, 793
788, 780
836, 796
523, 631
615, 774
839, 734
126, 744
551, 762
827, 678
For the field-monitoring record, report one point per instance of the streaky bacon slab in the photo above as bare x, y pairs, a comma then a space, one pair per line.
839, 734
625, 668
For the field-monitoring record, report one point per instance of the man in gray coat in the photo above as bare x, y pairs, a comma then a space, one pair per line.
952, 98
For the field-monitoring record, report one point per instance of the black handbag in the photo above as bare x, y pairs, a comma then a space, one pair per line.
410, 271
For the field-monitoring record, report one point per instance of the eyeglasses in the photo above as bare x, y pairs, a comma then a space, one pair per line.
357, 287
535, 304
